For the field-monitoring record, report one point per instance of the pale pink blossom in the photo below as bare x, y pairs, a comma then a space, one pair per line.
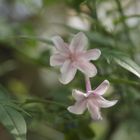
92, 100
74, 56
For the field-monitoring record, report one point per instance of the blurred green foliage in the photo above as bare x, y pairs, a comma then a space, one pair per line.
30, 91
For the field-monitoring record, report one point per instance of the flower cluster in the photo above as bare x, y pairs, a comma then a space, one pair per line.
72, 57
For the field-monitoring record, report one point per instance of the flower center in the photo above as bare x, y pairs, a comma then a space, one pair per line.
73, 57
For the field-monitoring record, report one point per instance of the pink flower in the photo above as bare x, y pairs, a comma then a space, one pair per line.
92, 100
74, 56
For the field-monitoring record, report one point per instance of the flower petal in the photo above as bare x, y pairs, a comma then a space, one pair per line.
60, 45
78, 108
94, 111
87, 68
78, 95
57, 60
92, 54
102, 88
105, 103
68, 72
78, 42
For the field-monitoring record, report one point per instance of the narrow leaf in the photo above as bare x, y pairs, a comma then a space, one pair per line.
123, 60
129, 65
13, 121
3, 93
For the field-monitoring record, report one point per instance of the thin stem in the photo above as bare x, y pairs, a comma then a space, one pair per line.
29, 101
88, 84
126, 27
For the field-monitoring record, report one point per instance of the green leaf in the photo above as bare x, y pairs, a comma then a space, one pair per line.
3, 93
123, 60
129, 65
10, 118
13, 121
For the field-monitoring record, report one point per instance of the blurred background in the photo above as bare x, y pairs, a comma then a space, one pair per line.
33, 92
